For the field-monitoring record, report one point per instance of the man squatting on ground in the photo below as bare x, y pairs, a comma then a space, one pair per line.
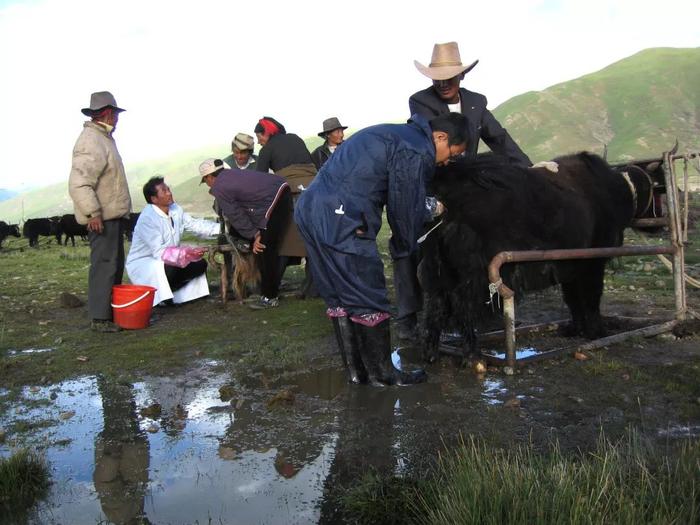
339, 217
156, 258
259, 207
98, 187
443, 96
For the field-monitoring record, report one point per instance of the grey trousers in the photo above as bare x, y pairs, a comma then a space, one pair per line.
106, 268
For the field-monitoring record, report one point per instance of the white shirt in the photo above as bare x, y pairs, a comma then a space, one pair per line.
153, 233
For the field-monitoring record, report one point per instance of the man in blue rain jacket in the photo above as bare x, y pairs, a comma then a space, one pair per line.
339, 216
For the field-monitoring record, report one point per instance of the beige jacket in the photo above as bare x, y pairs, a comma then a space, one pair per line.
97, 182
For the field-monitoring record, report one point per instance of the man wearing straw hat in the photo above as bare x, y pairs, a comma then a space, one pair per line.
100, 194
444, 96
333, 135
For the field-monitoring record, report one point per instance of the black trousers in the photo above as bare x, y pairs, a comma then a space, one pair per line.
271, 237
106, 267
407, 290
179, 277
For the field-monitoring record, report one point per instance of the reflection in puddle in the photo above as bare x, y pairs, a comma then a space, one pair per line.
106, 466
521, 353
182, 449
209, 446
29, 351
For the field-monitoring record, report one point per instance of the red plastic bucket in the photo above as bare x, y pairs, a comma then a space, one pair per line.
132, 305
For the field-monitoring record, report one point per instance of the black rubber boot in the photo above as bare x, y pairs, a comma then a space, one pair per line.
375, 348
349, 352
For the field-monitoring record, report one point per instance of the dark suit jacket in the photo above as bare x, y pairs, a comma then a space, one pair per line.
320, 155
481, 124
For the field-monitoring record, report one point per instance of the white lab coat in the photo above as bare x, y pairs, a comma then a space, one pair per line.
153, 233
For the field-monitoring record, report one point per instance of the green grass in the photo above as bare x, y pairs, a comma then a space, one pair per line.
32, 317
637, 106
24, 479
618, 482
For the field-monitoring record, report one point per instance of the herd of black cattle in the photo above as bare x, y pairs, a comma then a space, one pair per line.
62, 227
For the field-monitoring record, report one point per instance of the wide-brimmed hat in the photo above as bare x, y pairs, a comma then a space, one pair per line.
331, 124
99, 101
445, 62
243, 142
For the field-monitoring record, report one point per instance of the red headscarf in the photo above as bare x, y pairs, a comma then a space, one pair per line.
269, 127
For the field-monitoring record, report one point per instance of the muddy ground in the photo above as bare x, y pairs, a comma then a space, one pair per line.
225, 415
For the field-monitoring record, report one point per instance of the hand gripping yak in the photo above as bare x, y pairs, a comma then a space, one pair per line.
494, 207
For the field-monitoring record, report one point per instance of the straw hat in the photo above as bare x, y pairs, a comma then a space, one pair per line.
100, 100
445, 63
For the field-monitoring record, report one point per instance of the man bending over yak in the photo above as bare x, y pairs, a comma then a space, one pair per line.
339, 216
156, 258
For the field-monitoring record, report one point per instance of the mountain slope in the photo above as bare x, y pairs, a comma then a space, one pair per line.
637, 106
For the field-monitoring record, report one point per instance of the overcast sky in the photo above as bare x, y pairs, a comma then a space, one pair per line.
192, 74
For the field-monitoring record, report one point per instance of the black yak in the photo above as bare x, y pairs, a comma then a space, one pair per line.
48, 227
6, 230
494, 207
70, 228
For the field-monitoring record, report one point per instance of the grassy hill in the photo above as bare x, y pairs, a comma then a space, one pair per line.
637, 106
180, 172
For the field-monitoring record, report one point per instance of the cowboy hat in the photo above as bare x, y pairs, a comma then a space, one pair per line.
445, 63
99, 101
331, 124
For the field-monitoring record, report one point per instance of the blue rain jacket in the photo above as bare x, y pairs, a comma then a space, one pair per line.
385, 165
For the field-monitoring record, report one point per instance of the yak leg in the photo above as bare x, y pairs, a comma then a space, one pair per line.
431, 341
572, 298
591, 293
582, 296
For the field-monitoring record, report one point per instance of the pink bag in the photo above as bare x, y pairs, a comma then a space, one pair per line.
180, 256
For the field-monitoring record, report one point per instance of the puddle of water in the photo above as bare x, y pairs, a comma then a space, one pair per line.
519, 354
493, 391
680, 431
29, 351
228, 455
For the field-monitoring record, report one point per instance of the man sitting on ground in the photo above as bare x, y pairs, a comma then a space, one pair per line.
156, 258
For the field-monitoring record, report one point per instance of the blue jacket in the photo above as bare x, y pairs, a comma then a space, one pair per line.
384, 165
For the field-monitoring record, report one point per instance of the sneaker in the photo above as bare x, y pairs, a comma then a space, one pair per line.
264, 303
104, 326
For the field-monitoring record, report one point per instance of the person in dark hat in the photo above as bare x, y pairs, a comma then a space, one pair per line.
333, 135
444, 96
98, 187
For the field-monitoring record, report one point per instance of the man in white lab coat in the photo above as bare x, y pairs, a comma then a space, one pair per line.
156, 258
